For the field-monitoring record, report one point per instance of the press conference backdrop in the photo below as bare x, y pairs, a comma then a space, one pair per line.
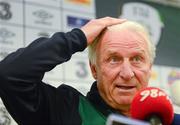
22, 21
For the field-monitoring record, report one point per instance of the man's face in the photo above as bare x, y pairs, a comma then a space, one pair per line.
122, 67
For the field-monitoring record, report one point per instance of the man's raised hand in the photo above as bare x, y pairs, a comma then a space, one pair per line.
94, 27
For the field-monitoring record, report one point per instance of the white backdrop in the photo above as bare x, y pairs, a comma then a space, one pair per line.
22, 21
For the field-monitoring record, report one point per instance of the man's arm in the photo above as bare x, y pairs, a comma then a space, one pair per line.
21, 72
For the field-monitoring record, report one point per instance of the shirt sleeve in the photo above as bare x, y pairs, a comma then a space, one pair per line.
21, 88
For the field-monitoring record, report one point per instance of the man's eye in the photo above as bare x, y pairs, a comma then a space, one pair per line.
114, 60
136, 59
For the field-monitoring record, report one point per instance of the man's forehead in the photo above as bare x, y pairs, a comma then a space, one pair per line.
123, 39
123, 35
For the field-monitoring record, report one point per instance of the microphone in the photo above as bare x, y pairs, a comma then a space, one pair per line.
176, 120
153, 105
175, 92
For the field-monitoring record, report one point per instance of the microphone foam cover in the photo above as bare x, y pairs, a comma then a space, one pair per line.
152, 101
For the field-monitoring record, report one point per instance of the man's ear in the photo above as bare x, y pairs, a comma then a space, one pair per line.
93, 70
150, 70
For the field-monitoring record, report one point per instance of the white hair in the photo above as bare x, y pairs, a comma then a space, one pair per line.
129, 25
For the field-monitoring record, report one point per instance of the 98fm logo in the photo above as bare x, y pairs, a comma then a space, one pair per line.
153, 93
5, 13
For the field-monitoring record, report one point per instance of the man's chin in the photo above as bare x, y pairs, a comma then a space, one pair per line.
126, 100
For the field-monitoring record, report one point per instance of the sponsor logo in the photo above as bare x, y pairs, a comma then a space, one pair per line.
76, 21
43, 17
173, 76
84, 2
5, 34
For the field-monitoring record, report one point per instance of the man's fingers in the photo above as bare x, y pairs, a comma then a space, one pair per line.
93, 28
109, 21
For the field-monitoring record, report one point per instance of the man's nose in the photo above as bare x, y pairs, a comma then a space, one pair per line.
126, 71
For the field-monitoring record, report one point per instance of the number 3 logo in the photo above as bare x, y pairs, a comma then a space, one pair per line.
82, 71
5, 13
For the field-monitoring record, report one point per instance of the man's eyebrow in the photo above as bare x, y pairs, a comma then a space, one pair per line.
112, 52
140, 53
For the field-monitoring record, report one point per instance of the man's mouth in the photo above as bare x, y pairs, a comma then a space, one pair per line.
125, 87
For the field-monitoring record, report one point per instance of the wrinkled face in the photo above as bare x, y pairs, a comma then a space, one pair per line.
122, 67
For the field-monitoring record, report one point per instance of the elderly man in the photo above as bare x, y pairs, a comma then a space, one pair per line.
121, 56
